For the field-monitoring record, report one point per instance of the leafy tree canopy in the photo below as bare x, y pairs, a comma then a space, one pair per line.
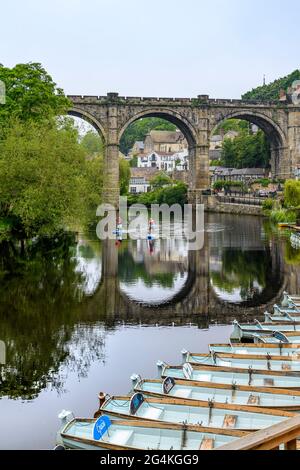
31, 94
139, 129
292, 193
246, 151
237, 125
124, 171
92, 143
162, 179
41, 178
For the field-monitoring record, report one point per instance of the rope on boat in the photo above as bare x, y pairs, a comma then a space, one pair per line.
151, 405
214, 357
234, 389
269, 358
250, 371
184, 436
211, 407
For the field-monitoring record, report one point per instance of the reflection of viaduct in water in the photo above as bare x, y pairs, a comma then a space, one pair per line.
197, 301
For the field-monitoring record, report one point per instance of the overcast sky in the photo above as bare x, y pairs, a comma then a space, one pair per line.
178, 48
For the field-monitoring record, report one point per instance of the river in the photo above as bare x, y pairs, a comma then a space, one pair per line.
78, 316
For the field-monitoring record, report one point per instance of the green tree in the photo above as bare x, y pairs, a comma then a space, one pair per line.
41, 178
237, 125
160, 181
31, 94
92, 143
246, 151
124, 169
292, 193
175, 194
134, 162
140, 128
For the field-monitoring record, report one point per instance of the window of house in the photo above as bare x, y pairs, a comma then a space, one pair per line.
133, 189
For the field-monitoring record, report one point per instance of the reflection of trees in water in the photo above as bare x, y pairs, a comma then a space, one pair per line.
130, 271
291, 254
39, 306
242, 270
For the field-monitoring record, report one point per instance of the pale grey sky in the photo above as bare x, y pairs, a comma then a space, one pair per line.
178, 48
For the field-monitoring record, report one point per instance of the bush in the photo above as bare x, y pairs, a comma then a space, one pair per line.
282, 216
264, 182
218, 185
175, 194
268, 204
292, 193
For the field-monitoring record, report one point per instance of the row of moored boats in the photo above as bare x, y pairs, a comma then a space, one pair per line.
210, 399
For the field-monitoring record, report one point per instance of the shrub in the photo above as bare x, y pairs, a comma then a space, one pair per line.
268, 204
282, 215
292, 193
218, 185
264, 182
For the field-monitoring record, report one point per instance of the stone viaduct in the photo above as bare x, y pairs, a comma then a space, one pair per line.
197, 119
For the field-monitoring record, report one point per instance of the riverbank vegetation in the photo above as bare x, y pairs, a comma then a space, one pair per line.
164, 191
287, 209
50, 175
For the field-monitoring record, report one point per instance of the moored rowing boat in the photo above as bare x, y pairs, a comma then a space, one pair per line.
230, 375
268, 362
262, 349
247, 331
190, 391
105, 433
200, 413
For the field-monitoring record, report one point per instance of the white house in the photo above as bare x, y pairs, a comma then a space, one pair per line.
164, 161
140, 179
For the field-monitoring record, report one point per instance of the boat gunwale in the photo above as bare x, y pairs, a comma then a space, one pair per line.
199, 367
143, 423
200, 404
242, 388
254, 345
258, 357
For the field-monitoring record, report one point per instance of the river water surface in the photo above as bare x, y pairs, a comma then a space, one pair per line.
79, 317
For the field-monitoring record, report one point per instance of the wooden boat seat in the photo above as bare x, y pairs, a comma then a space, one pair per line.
230, 421
268, 382
225, 364
152, 413
206, 378
183, 393
121, 437
207, 444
